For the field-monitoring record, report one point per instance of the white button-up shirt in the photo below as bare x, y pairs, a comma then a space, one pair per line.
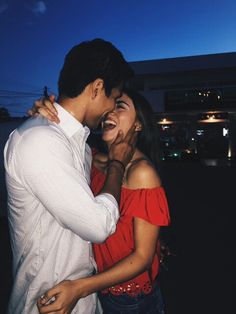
52, 212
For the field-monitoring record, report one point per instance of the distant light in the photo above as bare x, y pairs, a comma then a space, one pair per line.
218, 97
210, 162
192, 138
211, 118
225, 132
199, 94
165, 127
200, 132
165, 121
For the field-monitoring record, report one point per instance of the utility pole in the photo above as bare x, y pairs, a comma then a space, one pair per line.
45, 92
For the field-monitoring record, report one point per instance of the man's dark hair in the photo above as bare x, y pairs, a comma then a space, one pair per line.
91, 60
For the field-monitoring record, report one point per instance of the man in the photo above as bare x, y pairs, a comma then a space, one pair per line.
53, 214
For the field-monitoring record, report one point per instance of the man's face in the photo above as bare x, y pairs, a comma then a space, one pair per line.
101, 106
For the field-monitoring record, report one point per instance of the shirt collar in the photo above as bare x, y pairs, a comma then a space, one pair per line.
69, 124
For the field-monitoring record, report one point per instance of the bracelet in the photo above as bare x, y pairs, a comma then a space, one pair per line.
119, 162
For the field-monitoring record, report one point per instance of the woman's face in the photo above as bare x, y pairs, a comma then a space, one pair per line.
122, 118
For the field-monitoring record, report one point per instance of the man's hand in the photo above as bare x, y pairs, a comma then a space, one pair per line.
61, 299
122, 148
45, 107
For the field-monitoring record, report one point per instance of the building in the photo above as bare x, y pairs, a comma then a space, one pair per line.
195, 103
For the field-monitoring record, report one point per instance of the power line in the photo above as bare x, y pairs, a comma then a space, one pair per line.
17, 112
23, 93
15, 94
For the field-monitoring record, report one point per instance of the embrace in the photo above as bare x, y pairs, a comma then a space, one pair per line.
83, 221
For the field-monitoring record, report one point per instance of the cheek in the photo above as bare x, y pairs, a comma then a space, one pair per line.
125, 124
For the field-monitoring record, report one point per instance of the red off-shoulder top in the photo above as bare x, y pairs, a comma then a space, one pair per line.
148, 204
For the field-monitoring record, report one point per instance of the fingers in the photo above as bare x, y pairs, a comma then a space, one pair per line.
50, 294
52, 98
50, 104
133, 138
48, 114
34, 110
119, 137
123, 147
131, 135
52, 308
45, 107
31, 112
47, 302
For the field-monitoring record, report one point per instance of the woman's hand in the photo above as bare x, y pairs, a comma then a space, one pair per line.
165, 252
62, 298
45, 107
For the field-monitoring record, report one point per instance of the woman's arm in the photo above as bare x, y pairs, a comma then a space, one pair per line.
45, 107
131, 266
68, 292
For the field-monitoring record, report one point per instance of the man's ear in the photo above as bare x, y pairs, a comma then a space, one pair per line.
97, 87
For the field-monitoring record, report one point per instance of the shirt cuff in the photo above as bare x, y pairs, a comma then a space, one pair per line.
111, 205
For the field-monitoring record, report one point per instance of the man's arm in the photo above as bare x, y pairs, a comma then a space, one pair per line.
47, 170
67, 293
119, 155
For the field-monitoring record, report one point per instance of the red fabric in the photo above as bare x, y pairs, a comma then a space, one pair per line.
148, 204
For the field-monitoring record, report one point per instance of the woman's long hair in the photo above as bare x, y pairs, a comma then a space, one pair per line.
148, 137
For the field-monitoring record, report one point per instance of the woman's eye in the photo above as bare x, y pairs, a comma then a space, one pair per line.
121, 106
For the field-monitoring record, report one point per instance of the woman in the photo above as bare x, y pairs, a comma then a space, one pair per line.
128, 261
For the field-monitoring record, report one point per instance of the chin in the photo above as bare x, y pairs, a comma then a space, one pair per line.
108, 139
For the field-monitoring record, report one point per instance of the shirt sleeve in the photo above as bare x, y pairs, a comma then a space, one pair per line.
151, 205
49, 173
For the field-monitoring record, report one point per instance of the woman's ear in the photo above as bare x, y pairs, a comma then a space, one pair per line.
138, 126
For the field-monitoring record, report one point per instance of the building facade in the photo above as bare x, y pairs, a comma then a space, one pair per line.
195, 103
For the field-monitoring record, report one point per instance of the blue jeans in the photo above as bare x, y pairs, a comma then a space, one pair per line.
151, 303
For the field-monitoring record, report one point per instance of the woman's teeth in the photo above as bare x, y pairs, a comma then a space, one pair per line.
109, 125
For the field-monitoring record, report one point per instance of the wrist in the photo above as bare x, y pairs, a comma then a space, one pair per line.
117, 163
82, 288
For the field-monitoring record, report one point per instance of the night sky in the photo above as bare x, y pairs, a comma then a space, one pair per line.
36, 35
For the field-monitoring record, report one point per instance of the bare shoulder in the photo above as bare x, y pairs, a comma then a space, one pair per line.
142, 175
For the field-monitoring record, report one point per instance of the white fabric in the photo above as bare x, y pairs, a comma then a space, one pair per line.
52, 212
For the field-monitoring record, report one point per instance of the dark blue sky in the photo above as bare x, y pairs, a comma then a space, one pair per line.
36, 35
